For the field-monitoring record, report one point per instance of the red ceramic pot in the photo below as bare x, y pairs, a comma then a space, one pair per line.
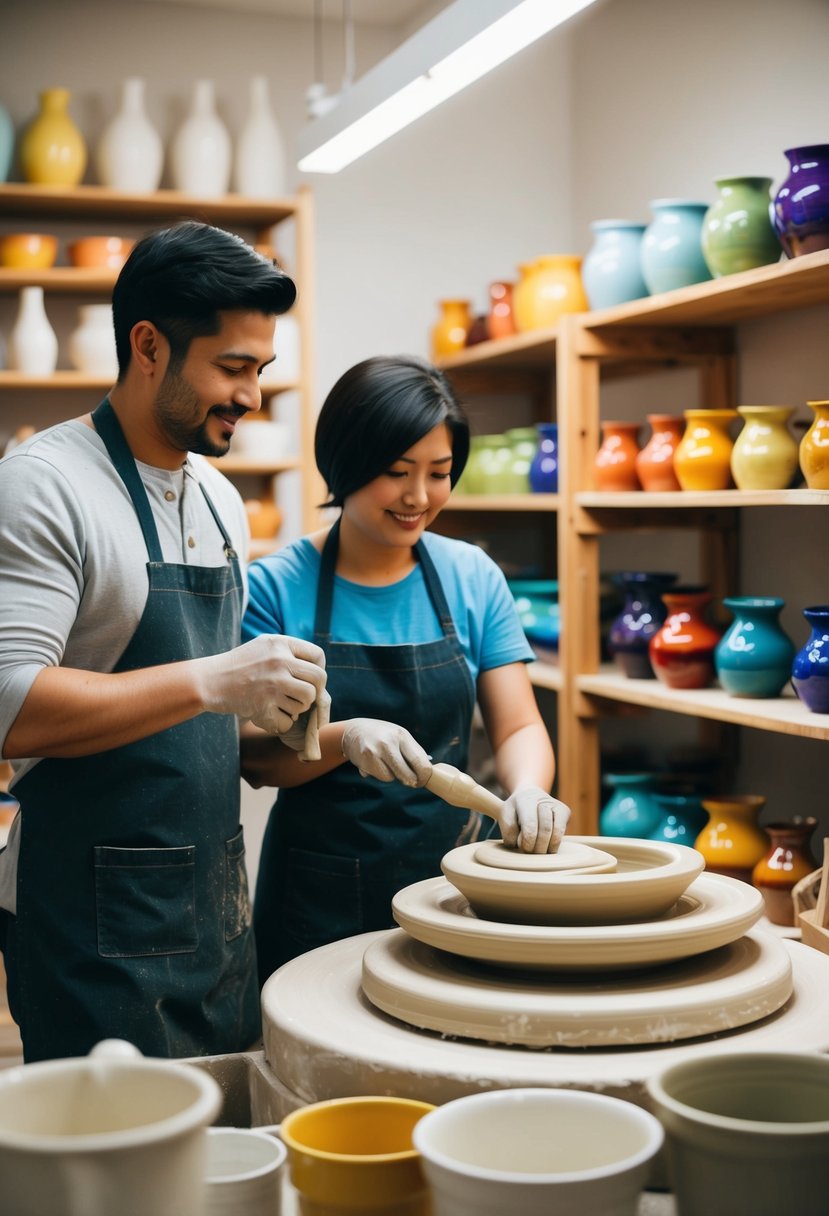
682, 651
615, 464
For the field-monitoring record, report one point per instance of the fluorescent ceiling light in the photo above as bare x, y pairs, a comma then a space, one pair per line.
460, 45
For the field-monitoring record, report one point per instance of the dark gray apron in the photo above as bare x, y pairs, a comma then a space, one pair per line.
338, 848
133, 916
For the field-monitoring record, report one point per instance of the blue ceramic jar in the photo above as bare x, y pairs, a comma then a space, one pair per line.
6, 143
632, 809
810, 670
682, 818
544, 467
612, 271
672, 245
642, 614
754, 656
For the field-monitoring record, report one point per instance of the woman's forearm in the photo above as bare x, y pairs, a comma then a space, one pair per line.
265, 761
526, 758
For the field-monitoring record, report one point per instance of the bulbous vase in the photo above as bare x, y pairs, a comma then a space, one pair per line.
642, 615
614, 467
544, 468
682, 818
810, 669
754, 656
548, 288
800, 212
200, 152
813, 453
655, 462
732, 842
92, 343
33, 344
259, 166
737, 232
764, 456
612, 269
788, 860
632, 809
52, 150
501, 320
130, 155
702, 460
448, 334
672, 245
682, 650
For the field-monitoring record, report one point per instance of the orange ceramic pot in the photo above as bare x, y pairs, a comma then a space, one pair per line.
28, 250
814, 448
682, 651
264, 518
448, 335
615, 465
548, 288
655, 463
100, 252
788, 860
501, 321
732, 843
702, 460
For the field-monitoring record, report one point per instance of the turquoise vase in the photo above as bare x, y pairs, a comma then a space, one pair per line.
612, 271
754, 656
810, 670
737, 233
6, 143
631, 809
672, 245
682, 818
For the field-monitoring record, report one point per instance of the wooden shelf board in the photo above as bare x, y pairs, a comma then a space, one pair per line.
61, 381
240, 465
502, 502
545, 675
784, 715
638, 499
64, 280
536, 348
17, 198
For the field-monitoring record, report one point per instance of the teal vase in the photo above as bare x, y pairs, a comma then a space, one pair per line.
631, 809
672, 245
682, 818
754, 656
6, 143
737, 233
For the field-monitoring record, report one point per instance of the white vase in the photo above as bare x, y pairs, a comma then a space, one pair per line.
285, 366
259, 168
92, 345
200, 153
33, 344
130, 155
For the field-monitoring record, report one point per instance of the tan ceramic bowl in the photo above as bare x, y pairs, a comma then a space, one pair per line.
100, 252
649, 878
28, 250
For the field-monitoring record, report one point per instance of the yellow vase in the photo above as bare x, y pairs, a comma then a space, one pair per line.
548, 288
448, 335
702, 460
814, 448
52, 150
764, 456
732, 842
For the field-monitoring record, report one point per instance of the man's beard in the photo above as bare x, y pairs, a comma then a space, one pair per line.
177, 409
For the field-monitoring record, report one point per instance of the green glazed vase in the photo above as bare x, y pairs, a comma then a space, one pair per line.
737, 233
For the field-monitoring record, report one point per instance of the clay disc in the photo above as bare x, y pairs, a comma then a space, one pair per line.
570, 856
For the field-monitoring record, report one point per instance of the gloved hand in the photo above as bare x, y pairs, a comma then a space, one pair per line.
534, 821
270, 681
385, 751
295, 737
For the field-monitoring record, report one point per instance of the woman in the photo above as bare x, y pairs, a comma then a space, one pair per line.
415, 628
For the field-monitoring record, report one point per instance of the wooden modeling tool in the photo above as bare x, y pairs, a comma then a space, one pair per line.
814, 922
458, 789
311, 746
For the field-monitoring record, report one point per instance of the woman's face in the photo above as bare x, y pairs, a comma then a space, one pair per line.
396, 507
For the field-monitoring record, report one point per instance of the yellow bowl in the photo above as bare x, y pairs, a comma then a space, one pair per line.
108, 252
28, 250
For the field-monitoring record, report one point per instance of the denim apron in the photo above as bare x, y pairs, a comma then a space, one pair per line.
338, 848
133, 916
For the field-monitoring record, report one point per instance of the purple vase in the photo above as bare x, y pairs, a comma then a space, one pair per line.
800, 211
641, 616
810, 670
544, 468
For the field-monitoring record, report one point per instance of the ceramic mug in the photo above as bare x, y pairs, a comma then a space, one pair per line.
244, 1171
355, 1155
108, 1133
537, 1151
747, 1134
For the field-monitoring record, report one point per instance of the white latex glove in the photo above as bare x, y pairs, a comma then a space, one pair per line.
385, 751
533, 821
270, 680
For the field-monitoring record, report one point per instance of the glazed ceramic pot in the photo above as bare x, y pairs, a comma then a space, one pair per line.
787, 861
536, 601
200, 152
448, 334
737, 232
642, 615
764, 456
478, 330
523, 445
33, 344
682, 818
732, 842
655, 462
754, 656
544, 468
810, 670
6, 143
631, 809
672, 245
549, 287
814, 448
130, 155
682, 650
91, 346
493, 466
500, 322
702, 460
612, 270
614, 467
260, 158
800, 211
52, 150
28, 250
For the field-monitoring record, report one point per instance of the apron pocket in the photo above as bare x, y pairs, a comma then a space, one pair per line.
237, 897
323, 899
145, 901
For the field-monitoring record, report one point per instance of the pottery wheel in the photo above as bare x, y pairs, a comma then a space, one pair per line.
570, 856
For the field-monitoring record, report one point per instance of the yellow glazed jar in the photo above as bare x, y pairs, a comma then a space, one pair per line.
52, 150
732, 843
764, 456
814, 448
548, 288
702, 460
448, 335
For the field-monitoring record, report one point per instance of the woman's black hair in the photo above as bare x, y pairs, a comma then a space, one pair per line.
181, 278
375, 412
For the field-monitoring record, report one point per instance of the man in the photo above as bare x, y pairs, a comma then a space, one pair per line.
122, 676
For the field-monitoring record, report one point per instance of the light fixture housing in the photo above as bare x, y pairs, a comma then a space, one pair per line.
458, 46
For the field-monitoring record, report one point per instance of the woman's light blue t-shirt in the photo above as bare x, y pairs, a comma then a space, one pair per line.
283, 592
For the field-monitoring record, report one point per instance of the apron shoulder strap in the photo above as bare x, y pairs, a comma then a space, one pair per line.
109, 428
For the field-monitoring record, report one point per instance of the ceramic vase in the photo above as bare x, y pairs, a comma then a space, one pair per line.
788, 860
91, 345
732, 842
33, 344
130, 155
501, 321
737, 232
549, 287
478, 330
655, 462
672, 245
493, 465
200, 152
800, 211
810, 669
682, 649
448, 334
522, 442
6, 143
614, 467
259, 168
642, 614
813, 453
764, 456
612, 269
544, 467
52, 150
682, 818
632, 809
702, 460
287, 348
754, 656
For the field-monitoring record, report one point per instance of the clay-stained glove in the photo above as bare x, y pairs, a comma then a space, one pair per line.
385, 751
533, 821
270, 681
296, 737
